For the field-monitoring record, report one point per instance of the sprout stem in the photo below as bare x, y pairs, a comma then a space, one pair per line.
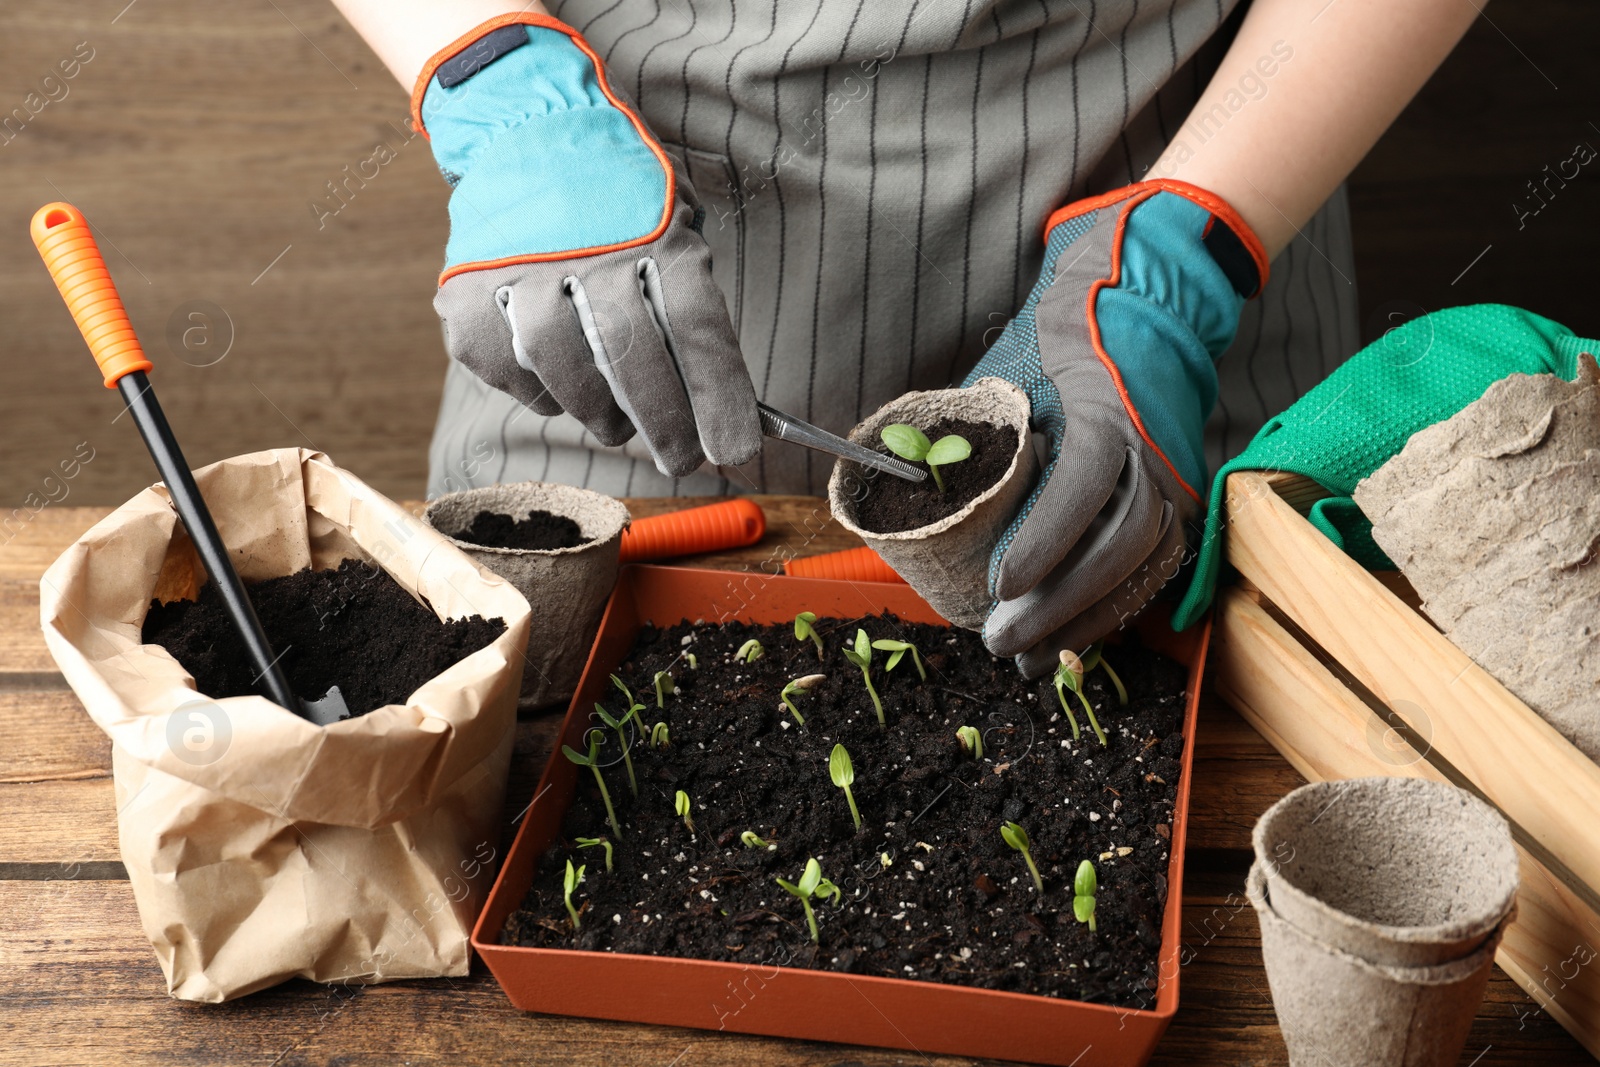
605, 794
1038, 883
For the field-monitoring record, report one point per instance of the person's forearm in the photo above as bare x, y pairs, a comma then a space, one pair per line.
1303, 94
406, 33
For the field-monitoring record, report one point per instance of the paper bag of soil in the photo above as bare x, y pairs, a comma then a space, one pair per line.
1494, 517
261, 847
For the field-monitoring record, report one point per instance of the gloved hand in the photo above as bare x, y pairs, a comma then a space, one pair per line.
1140, 292
575, 276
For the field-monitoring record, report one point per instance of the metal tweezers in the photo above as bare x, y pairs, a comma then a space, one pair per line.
781, 427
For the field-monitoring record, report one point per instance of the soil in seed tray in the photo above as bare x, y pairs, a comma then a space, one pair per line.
354, 627
541, 529
893, 504
928, 888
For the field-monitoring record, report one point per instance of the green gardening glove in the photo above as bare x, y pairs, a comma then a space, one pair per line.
1348, 426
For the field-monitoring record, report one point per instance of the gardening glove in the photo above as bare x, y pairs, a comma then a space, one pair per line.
1140, 292
575, 276
1364, 413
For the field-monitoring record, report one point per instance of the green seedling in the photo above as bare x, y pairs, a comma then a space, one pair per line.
1084, 887
799, 685
1096, 657
694, 664
908, 442
750, 651
591, 842
861, 656
1069, 675
664, 688
751, 839
884, 860
573, 879
811, 884
897, 651
620, 726
805, 631
843, 775
680, 804
971, 740
1014, 835
660, 736
592, 761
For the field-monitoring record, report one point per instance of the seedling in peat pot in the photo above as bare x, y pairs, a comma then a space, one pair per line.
660, 736
1069, 675
620, 726
799, 685
751, 839
573, 879
680, 804
592, 761
664, 688
750, 651
1096, 657
908, 442
897, 651
971, 740
861, 656
591, 842
811, 884
1014, 835
843, 775
805, 631
1084, 887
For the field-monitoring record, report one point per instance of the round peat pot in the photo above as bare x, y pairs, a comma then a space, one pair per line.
566, 587
947, 561
1397, 871
1335, 1008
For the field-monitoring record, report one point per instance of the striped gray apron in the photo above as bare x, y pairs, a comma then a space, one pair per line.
876, 179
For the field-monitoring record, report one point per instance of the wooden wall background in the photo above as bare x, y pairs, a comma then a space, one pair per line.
199, 134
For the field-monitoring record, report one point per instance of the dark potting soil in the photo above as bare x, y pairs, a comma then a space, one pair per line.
541, 529
354, 627
955, 904
892, 504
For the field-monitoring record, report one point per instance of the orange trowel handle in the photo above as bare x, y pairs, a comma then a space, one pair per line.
729, 524
74, 261
851, 565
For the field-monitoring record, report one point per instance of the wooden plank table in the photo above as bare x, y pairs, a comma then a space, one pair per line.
80, 985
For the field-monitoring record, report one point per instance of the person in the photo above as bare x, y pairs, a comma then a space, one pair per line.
660, 212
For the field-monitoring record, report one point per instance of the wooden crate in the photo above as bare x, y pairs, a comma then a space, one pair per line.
1343, 674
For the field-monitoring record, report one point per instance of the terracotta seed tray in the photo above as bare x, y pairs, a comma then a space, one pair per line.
794, 1002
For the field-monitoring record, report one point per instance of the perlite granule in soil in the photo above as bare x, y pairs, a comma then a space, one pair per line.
354, 627
929, 890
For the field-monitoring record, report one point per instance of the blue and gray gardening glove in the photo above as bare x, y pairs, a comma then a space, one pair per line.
1140, 292
575, 276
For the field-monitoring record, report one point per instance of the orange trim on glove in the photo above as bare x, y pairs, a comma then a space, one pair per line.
528, 18
1194, 194
1139, 193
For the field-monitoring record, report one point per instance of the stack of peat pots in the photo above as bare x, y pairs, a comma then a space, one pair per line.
1381, 903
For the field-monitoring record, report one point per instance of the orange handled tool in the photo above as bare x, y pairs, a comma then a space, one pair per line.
852, 565
74, 261
729, 524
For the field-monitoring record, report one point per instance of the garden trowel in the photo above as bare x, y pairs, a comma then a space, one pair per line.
74, 261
